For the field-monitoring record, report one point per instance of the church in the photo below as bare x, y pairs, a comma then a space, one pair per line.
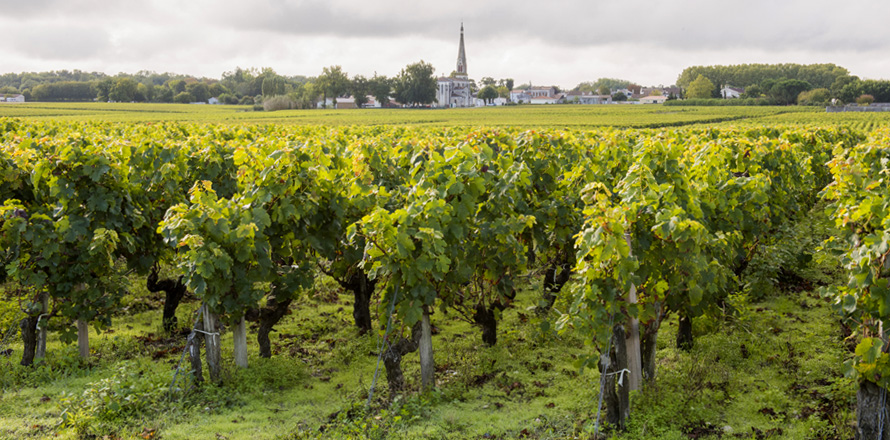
454, 91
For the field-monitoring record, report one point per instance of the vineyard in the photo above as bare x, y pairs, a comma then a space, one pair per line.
546, 283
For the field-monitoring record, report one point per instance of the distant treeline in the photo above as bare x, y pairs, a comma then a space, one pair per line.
783, 84
238, 86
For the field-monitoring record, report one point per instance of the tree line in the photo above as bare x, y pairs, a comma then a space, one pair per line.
783, 84
415, 85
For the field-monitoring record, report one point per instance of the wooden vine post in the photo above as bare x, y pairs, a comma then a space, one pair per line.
83, 338
40, 351
240, 341
211, 342
427, 364
632, 335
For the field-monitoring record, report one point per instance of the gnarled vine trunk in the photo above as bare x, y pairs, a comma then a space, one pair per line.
362, 289
486, 318
869, 411
555, 277
617, 395
194, 349
648, 342
268, 317
392, 359
174, 292
29, 339
684, 332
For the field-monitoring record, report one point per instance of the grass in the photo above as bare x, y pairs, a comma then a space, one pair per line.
772, 371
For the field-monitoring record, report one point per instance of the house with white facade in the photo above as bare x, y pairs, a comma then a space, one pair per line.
594, 99
12, 98
653, 99
728, 92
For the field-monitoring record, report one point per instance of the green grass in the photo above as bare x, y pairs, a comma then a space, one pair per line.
785, 382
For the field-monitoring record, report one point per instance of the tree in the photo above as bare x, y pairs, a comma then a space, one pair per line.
604, 90
785, 92
360, 88
123, 90
814, 97
380, 87
488, 94
273, 85
184, 98
503, 92
701, 88
416, 84
333, 82
753, 91
487, 81
199, 90
619, 97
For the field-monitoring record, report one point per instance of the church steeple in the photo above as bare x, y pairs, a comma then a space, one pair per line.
461, 55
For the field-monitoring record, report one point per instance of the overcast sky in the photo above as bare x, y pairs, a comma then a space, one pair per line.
561, 42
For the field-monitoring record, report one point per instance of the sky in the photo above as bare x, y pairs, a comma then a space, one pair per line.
560, 42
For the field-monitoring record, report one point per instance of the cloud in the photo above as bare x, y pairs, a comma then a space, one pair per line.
58, 41
560, 41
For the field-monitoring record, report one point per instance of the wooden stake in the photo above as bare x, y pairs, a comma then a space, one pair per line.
83, 338
634, 355
427, 364
240, 337
40, 351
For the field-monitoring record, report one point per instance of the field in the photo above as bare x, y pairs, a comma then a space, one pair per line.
463, 217
557, 116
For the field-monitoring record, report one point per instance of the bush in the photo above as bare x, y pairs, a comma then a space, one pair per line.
227, 98
246, 100
865, 100
818, 97
279, 102
130, 394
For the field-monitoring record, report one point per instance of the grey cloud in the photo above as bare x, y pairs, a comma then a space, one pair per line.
679, 24
59, 42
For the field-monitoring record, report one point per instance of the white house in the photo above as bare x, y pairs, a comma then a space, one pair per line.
12, 98
496, 101
547, 99
519, 95
728, 92
213, 101
594, 99
653, 99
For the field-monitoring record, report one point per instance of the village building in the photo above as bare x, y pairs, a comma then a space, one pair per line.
455, 91
653, 99
12, 98
728, 92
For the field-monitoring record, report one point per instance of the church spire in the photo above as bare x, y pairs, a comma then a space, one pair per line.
461, 55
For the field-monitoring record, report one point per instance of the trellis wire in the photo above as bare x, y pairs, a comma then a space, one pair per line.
188, 342
380, 346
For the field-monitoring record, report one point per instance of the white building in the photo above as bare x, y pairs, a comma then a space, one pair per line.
12, 98
728, 92
653, 99
594, 99
455, 91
